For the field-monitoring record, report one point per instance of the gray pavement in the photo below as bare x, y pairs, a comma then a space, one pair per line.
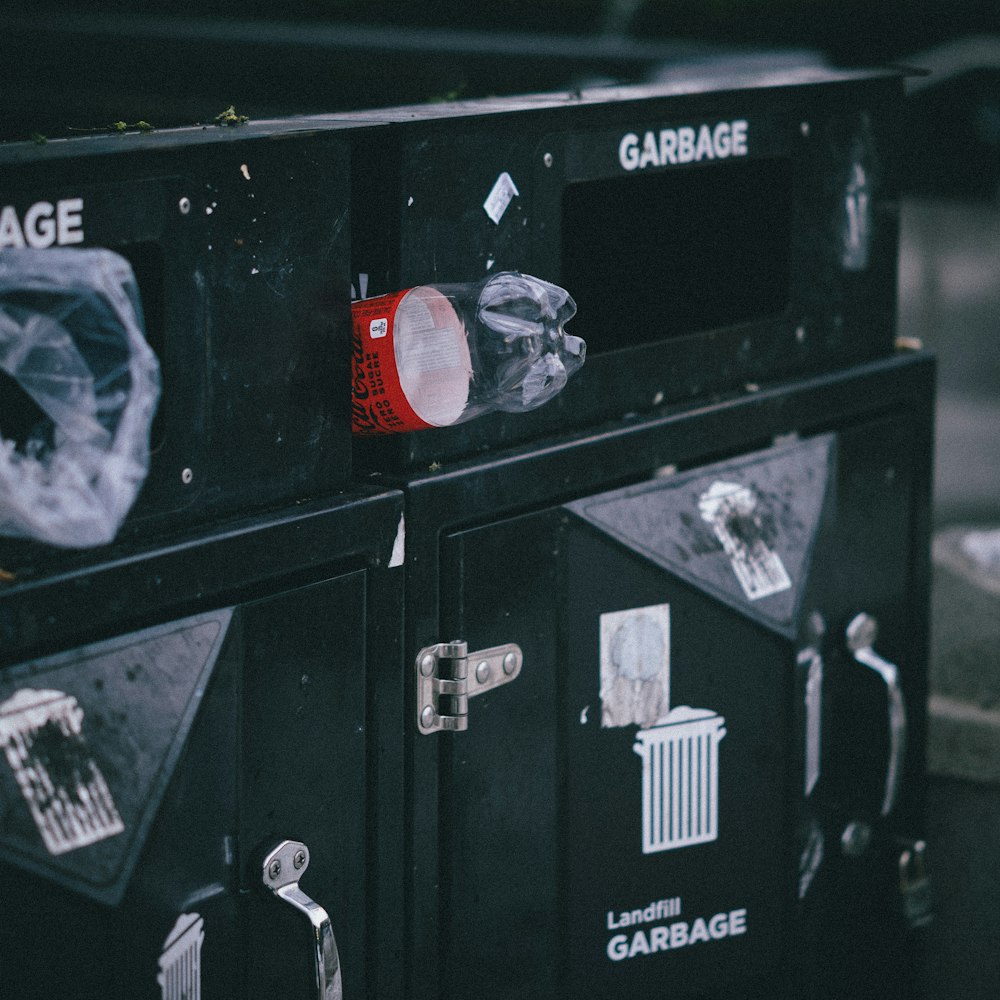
949, 297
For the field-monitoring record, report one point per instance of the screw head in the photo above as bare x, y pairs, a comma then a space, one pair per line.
483, 672
187, 475
185, 206
427, 717
299, 859
274, 869
856, 839
805, 129
510, 663
547, 159
426, 665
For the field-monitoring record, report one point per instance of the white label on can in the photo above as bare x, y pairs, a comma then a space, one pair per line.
41, 733
503, 193
180, 961
635, 666
378, 328
731, 510
680, 779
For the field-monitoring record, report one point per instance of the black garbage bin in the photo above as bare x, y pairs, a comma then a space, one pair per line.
624, 696
666, 636
171, 717
199, 713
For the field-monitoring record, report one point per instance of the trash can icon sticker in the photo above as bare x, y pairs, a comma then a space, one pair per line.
680, 779
41, 733
180, 961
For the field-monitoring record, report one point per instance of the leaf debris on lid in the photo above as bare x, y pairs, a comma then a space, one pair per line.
230, 117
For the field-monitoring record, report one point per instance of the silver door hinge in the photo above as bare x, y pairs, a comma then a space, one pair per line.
448, 675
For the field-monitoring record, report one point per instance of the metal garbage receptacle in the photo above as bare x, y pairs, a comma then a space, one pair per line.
169, 718
718, 231
624, 696
742, 480
240, 248
186, 712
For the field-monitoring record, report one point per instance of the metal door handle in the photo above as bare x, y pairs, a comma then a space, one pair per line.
861, 635
283, 866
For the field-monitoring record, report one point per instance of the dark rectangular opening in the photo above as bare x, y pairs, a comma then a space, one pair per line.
658, 256
147, 260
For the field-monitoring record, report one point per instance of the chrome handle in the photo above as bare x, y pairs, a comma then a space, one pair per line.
283, 866
861, 635
812, 662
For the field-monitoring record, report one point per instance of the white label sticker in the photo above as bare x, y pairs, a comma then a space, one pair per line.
41, 733
180, 961
378, 328
503, 193
635, 666
731, 510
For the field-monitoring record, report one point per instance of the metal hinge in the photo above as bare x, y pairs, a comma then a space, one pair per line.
445, 682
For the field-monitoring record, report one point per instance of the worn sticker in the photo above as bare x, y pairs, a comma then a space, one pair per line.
180, 961
732, 511
635, 666
503, 193
41, 733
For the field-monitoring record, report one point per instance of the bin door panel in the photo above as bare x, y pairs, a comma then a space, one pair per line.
655, 804
176, 756
677, 745
501, 797
613, 817
304, 776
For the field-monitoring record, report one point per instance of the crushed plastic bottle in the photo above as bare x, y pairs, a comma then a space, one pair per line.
437, 355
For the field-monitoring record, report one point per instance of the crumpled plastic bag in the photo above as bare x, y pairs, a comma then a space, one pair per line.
72, 336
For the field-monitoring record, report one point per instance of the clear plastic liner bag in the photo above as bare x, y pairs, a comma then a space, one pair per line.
72, 338
437, 355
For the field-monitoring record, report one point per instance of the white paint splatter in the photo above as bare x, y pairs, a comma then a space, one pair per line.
399, 545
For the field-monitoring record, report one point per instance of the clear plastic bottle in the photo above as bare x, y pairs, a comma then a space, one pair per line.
437, 355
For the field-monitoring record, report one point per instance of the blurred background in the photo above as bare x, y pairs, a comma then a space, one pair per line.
75, 66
